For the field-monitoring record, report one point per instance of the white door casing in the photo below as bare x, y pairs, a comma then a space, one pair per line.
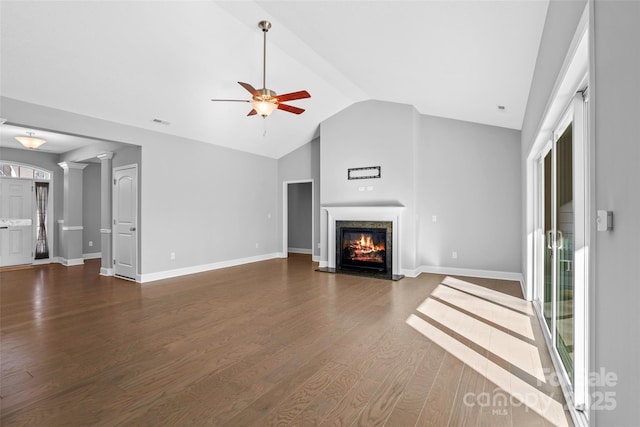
16, 221
125, 221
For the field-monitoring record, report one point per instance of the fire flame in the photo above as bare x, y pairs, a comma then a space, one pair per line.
366, 245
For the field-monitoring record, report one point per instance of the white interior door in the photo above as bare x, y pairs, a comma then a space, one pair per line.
16, 221
125, 221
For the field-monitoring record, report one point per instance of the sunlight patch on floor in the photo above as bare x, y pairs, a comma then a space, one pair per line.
502, 316
512, 302
531, 397
512, 349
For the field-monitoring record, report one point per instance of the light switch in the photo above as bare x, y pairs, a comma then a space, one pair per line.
605, 220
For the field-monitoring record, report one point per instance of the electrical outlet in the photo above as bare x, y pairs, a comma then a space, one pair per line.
172, 256
90, 243
257, 245
434, 218
454, 255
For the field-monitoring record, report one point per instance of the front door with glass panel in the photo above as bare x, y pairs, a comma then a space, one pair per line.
16, 221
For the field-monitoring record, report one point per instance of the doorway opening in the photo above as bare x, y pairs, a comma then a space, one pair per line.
298, 217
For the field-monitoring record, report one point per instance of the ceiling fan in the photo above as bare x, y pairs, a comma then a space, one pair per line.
264, 101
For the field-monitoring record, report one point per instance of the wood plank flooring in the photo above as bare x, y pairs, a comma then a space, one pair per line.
270, 343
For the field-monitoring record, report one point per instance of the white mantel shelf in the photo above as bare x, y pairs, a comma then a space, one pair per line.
364, 213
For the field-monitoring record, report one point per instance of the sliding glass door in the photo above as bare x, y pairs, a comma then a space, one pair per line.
563, 246
564, 249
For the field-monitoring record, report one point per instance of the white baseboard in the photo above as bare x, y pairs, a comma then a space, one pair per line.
300, 251
71, 262
466, 272
106, 271
93, 255
151, 277
315, 258
323, 264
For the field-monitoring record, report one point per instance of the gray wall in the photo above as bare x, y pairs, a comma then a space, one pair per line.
205, 203
466, 174
301, 164
299, 215
615, 54
91, 190
469, 178
372, 133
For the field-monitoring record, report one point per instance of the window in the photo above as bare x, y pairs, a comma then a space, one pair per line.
14, 170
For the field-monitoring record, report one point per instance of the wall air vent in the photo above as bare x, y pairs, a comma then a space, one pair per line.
160, 122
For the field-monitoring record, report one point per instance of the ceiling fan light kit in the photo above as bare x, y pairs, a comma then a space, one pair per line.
265, 101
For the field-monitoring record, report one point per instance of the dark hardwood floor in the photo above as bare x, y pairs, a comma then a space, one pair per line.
270, 343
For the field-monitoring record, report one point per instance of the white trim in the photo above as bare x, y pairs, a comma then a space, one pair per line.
467, 272
43, 261
167, 274
71, 262
106, 271
92, 255
72, 165
72, 228
105, 156
27, 222
137, 240
316, 258
299, 251
105, 230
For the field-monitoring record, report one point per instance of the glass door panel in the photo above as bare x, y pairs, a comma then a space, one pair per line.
547, 219
564, 236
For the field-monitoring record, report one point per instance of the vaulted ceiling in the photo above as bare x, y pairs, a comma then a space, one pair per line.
134, 61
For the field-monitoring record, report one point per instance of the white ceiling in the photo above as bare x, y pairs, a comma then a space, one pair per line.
133, 61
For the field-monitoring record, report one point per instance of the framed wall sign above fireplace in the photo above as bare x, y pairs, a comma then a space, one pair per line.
364, 173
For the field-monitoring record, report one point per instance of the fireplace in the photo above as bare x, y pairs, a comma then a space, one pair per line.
357, 221
364, 246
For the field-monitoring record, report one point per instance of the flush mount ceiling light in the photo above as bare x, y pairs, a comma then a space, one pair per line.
30, 141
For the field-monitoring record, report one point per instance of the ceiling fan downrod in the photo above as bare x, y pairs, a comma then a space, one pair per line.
264, 26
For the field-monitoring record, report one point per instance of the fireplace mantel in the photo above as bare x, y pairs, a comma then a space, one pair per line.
363, 213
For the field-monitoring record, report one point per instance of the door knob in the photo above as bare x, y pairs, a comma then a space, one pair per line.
132, 229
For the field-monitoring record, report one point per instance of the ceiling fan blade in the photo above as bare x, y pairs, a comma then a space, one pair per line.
230, 100
249, 88
252, 113
290, 109
293, 95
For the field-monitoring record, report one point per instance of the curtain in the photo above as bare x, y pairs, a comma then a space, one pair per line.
42, 201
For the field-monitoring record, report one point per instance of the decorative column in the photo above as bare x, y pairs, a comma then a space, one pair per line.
72, 226
106, 269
